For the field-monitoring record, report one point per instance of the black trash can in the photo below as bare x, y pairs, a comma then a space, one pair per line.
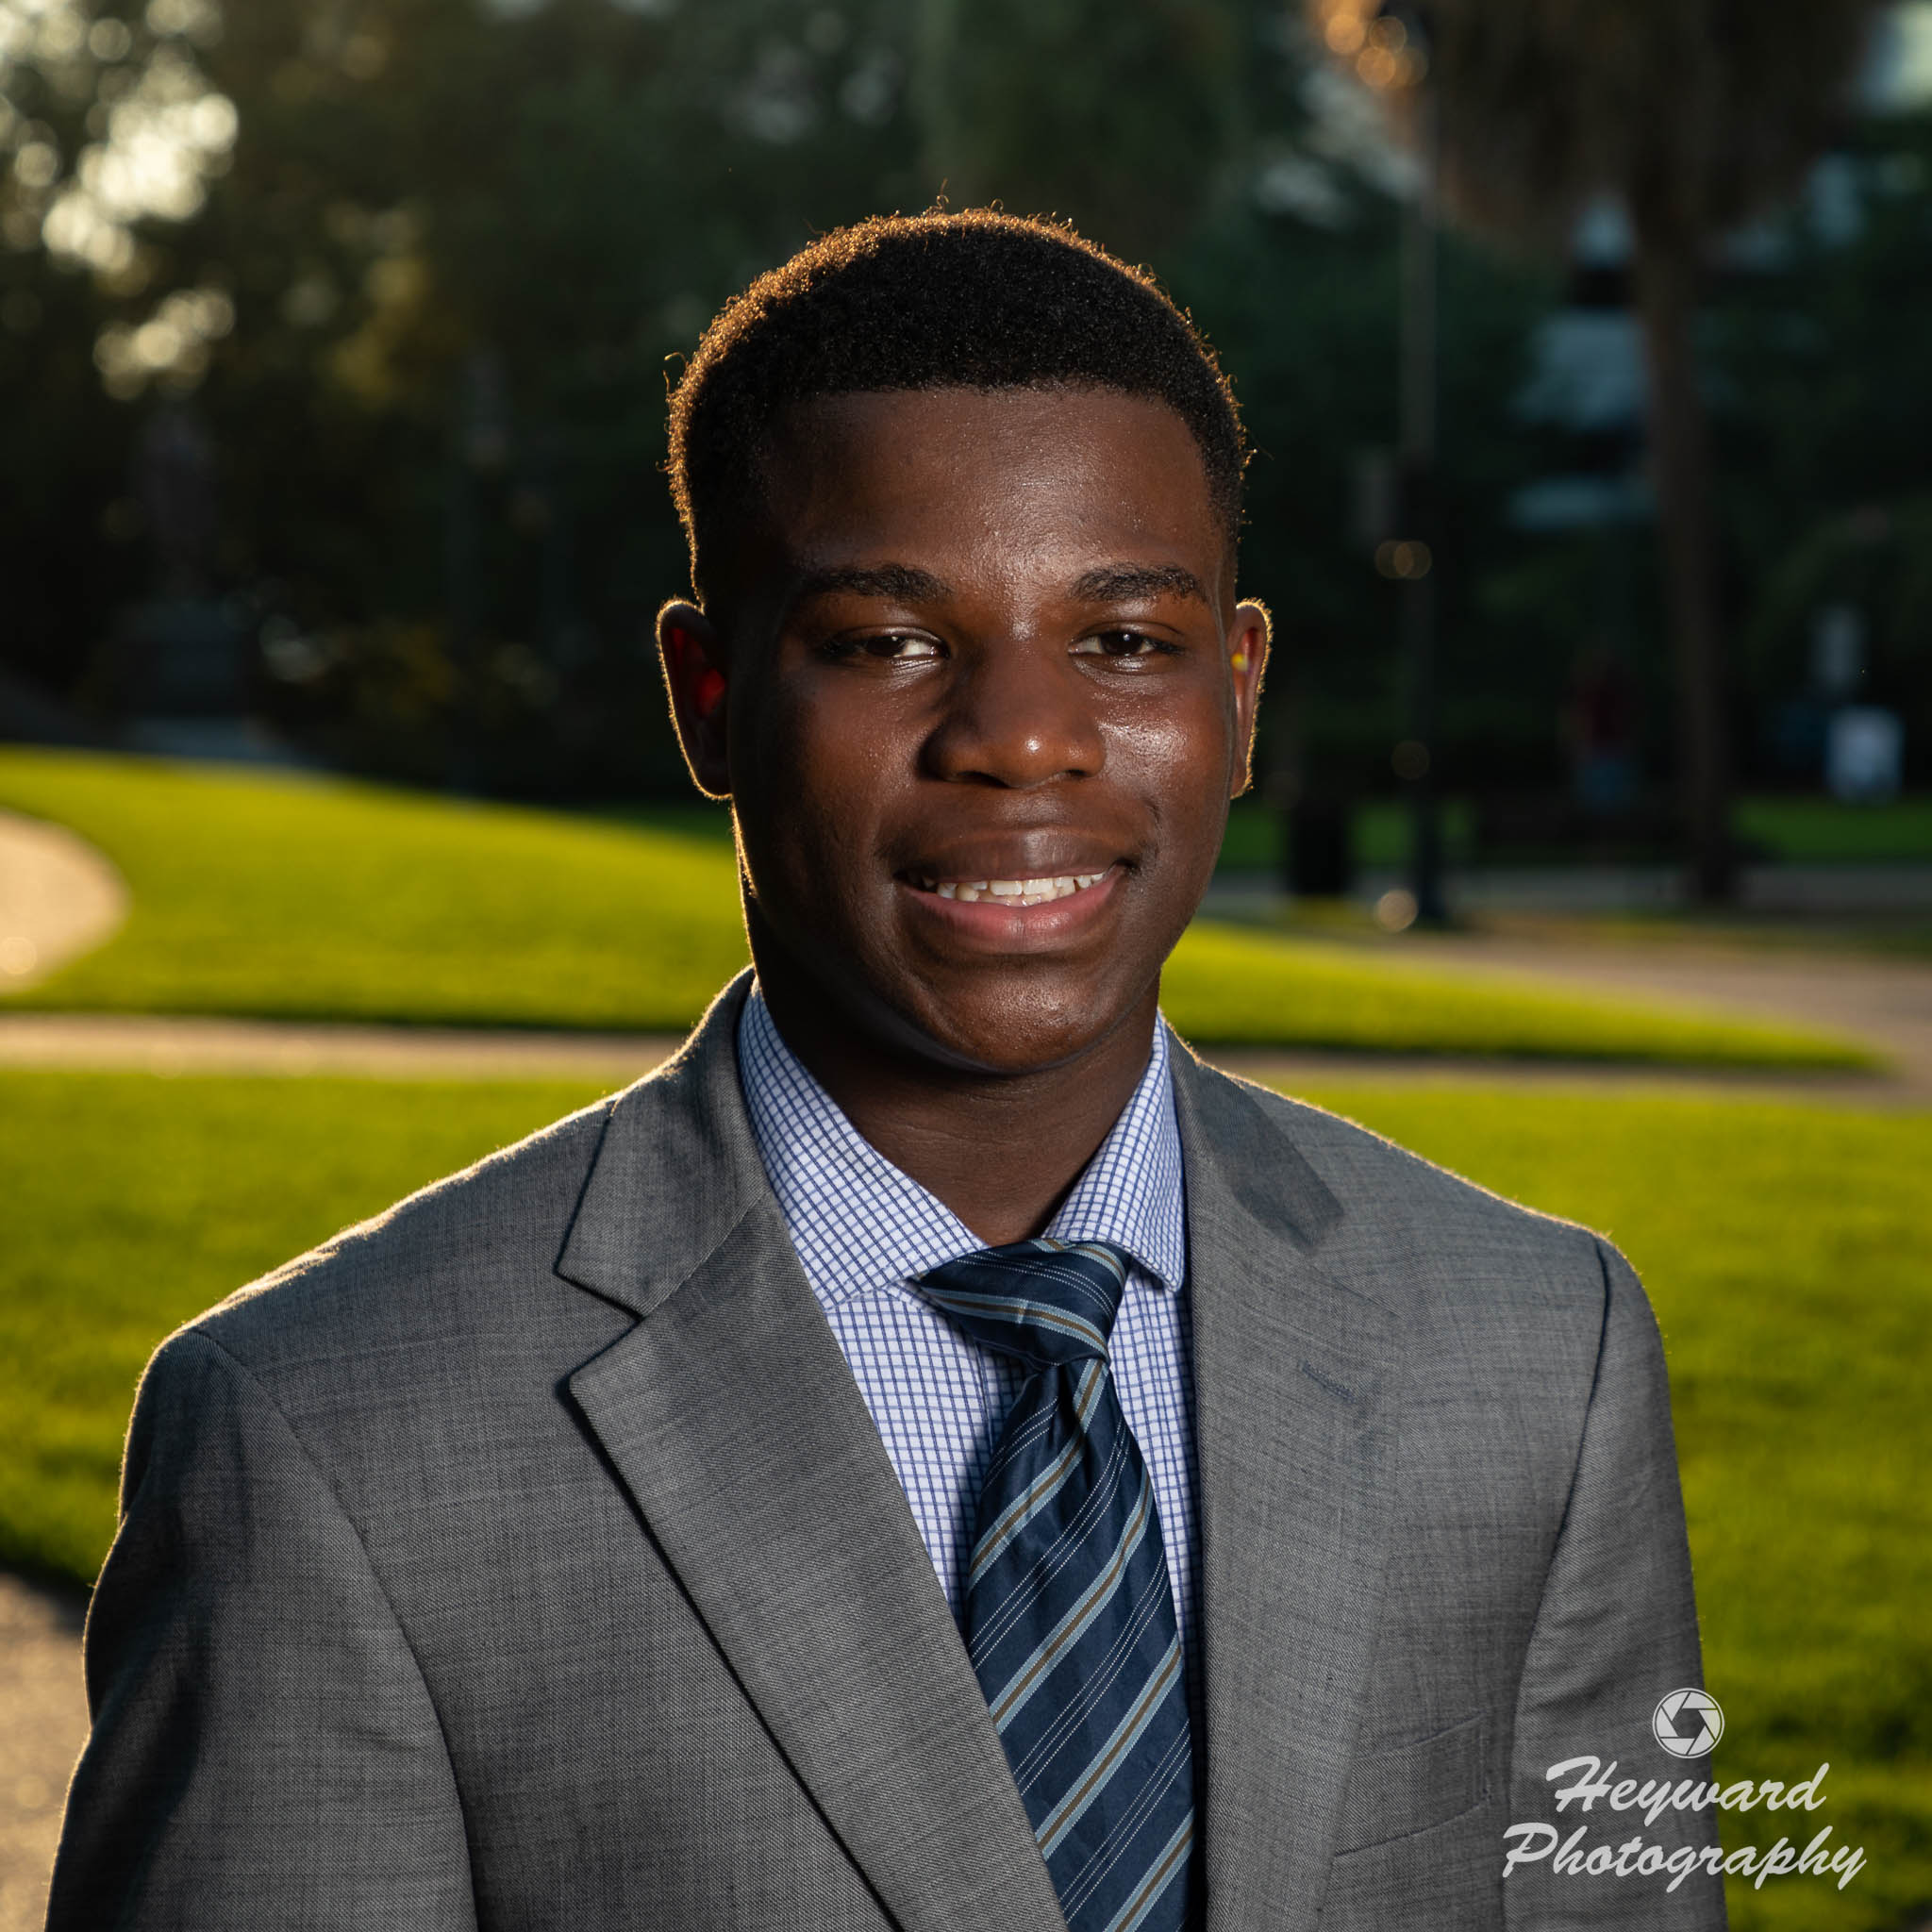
1320, 864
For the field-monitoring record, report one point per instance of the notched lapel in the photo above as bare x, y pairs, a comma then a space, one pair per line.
732, 1418
1296, 1419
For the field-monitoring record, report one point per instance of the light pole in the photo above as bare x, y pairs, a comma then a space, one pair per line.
1416, 756
1385, 42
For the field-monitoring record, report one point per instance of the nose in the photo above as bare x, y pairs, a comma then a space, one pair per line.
1016, 718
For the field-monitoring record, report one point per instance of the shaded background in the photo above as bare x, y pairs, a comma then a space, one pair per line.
336, 336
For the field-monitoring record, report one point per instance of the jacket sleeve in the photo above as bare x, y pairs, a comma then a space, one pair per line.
265, 1748
1615, 1632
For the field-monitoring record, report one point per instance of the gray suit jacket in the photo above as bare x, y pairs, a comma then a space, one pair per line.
527, 1558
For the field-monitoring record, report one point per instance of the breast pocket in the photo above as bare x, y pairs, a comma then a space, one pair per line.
1403, 1789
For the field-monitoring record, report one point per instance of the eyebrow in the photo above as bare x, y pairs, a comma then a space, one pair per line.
1115, 583
903, 583
906, 583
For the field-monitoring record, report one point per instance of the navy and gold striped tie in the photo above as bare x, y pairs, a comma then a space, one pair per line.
1069, 1616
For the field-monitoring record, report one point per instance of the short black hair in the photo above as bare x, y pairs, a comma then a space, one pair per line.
976, 299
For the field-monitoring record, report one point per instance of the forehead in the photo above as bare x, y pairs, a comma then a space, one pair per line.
1018, 482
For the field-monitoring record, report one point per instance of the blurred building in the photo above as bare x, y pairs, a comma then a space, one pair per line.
1587, 389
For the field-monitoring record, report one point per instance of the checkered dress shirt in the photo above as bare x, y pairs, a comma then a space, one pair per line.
863, 1230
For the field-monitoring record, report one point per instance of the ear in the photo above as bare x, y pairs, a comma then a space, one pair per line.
700, 694
1248, 639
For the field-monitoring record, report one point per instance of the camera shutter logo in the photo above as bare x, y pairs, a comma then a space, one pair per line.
1687, 1722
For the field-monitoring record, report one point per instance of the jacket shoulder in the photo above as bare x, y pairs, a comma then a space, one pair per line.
427, 1267
1387, 1210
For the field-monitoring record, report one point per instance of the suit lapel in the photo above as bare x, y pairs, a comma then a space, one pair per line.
1296, 1443
731, 1415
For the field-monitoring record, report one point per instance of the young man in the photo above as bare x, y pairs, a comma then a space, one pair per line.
935, 1455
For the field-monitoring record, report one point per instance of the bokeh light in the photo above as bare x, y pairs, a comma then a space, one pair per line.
161, 133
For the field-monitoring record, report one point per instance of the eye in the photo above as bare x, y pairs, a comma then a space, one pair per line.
892, 647
1123, 643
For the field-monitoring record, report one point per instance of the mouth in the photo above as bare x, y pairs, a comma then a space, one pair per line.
1012, 895
1044, 913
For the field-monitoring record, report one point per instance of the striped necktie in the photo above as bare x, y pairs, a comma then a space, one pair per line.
1070, 1617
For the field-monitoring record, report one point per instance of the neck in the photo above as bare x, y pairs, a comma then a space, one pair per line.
1002, 1150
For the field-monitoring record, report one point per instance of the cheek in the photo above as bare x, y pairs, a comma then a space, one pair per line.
1179, 761
807, 731
814, 787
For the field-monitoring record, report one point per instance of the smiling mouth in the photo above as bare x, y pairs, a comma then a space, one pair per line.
1014, 893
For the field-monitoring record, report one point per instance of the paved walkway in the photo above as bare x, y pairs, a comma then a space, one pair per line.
42, 1726
1887, 1001
1884, 1002
42, 1720
1802, 889
59, 897
169, 1043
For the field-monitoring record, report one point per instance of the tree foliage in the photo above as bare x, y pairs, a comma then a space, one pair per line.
1693, 114
424, 286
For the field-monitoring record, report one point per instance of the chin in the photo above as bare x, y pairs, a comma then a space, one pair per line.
1025, 1031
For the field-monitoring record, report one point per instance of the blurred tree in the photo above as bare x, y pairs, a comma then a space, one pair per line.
443, 277
1823, 425
431, 306
1123, 120
1693, 114
1299, 297
112, 135
422, 269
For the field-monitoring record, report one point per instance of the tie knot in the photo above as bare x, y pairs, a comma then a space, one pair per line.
1045, 1301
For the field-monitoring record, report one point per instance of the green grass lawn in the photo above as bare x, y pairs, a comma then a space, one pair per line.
1823, 830
152, 1197
308, 897
1379, 833
1235, 985
303, 897
1783, 1246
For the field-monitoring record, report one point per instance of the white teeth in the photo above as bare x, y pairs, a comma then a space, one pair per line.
1014, 891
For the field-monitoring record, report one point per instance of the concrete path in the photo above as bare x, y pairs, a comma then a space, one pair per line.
1802, 889
170, 1045
59, 897
43, 1719
1887, 1001
167, 1044
42, 1726
1884, 1002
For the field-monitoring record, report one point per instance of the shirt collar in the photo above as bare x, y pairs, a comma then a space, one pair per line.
860, 1224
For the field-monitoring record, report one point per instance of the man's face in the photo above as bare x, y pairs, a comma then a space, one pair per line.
989, 695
